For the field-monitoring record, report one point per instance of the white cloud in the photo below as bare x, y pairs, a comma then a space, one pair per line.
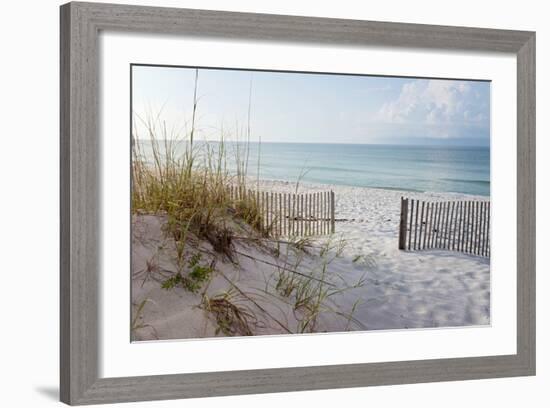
445, 108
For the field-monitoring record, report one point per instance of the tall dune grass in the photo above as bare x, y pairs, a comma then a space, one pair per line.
189, 181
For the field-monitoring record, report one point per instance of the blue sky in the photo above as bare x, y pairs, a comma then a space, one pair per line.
314, 108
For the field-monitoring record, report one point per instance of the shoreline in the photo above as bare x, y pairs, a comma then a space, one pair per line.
306, 186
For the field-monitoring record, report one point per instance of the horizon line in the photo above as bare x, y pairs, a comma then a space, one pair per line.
338, 143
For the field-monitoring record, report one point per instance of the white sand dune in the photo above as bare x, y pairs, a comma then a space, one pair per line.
401, 289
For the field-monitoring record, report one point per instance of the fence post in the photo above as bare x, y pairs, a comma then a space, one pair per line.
403, 223
332, 211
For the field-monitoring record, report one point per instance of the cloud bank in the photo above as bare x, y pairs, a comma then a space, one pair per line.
440, 109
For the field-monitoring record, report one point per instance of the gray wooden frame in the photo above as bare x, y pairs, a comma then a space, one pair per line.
80, 234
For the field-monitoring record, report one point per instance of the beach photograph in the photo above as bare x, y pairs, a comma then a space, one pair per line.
288, 203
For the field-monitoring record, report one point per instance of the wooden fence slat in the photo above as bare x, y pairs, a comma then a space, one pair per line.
411, 223
435, 230
308, 213
403, 223
288, 212
302, 216
326, 211
314, 214
452, 227
298, 214
292, 197
484, 205
476, 249
488, 244
463, 227
459, 226
265, 209
474, 225
283, 214
481, 227
280, 215
269, 205
311, 214
481, 232
265, 199
332, 213
474, 222
317, 213
448, 224
268, 210
416, 224
271, 211
444, 212
258, 208
470, 225
440, 218
453, 224
466, 223
292, 205
446, 237
420, 229
433, 225
440, 236
436, 223
428, 227
487, 231
440, 223
322, 212
444, 224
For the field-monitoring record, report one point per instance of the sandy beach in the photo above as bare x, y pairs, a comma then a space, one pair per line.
372, 284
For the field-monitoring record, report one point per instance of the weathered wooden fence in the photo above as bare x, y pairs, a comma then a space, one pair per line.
292, 214
453, 225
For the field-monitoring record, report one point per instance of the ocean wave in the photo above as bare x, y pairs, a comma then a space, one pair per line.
467, 181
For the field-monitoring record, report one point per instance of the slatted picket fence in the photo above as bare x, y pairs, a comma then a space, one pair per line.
462, 226
292, 214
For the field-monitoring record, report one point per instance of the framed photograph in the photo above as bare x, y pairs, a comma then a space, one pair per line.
259, 203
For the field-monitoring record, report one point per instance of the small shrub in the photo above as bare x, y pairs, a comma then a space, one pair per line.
194, 281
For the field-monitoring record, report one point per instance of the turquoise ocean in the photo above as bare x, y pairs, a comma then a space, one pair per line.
456, 169
411, 168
